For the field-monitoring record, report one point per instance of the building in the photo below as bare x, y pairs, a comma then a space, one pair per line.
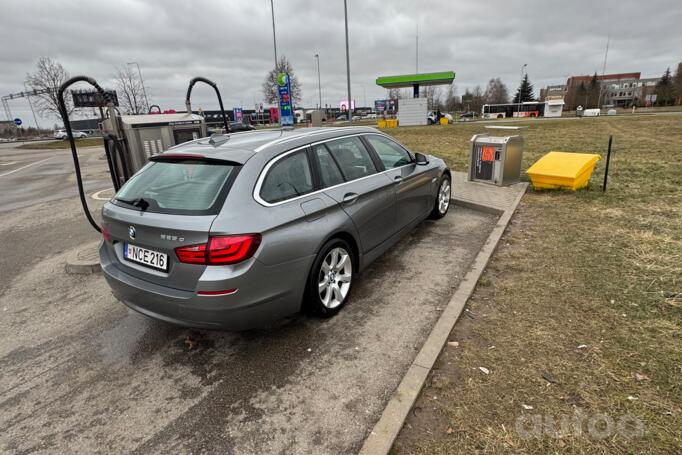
615, 90
553, 92
7, 126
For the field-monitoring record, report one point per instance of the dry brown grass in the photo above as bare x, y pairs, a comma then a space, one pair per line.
584, 268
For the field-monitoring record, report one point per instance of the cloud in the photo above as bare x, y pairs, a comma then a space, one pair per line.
231, 42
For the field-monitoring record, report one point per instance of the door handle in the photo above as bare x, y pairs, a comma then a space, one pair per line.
397, 179
349, 198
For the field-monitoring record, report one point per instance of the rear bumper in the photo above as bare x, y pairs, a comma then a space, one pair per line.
264, 294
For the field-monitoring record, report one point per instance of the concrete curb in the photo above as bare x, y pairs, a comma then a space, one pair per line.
84, 261
384, 433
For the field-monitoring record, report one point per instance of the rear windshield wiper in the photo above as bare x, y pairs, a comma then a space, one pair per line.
140, 203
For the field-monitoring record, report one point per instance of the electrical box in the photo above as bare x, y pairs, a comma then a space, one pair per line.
151, 134
495, 159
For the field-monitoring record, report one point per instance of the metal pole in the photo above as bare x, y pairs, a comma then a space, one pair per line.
319, 83
417, 48
608, 160
518, 114
144, 91
274, 37
350, 103
603, 71
35, 119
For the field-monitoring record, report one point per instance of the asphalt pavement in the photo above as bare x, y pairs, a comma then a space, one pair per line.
29, 177
80, 373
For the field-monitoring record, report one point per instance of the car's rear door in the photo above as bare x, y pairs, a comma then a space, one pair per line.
366, 194
168, 204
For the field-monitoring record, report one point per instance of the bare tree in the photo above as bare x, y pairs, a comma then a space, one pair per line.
477, 99
48, 77
496, 92
451, 98
130, 91
270, 83
433, 97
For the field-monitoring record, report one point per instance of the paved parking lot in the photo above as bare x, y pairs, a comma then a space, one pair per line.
83, 374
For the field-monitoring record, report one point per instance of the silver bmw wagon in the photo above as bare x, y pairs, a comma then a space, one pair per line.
233, 232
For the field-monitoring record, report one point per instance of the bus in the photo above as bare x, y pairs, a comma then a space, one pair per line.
528, 109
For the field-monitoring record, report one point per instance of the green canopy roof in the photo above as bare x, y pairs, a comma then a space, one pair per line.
409, 80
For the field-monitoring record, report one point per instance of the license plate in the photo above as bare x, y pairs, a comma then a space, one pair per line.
143, 256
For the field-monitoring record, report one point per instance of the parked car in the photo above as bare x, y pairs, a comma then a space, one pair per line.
237, 234
61, 134
341, 117
356, 117
240, 126
591, 112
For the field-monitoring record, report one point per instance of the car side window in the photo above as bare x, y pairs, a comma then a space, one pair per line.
390, 153
288, 178
329, 170
352, 156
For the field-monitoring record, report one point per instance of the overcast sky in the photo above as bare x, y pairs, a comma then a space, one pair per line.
230, 42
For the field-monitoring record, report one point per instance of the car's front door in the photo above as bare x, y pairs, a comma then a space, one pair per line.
365, 194
413, 188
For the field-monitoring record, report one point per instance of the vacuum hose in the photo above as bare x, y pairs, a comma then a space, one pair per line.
67, 125
220, 100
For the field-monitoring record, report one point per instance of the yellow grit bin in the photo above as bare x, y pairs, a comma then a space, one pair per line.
566, 170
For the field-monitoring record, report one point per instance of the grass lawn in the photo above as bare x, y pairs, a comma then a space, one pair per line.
59, 145
578, 317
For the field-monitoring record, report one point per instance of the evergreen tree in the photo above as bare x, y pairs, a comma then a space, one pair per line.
593, 93
664, 89
677, 84
525, 90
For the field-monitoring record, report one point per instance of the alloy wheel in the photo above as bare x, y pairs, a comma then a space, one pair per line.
334, 277
444, 196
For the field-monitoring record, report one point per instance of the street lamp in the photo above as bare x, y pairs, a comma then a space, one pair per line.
518, 114
349, 103
144, 91
274, 37
319, 83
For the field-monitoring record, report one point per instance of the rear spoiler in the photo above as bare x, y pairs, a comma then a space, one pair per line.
174, 157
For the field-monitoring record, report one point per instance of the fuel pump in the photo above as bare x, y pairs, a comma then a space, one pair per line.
130, 140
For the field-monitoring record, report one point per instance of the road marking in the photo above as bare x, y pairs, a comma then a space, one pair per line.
8, 164
24, 167
97, 196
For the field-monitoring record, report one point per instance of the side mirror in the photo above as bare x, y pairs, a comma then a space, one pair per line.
421, 159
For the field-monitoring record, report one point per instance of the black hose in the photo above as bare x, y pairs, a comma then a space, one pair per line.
215, 87
154, 106
67, 125
112, 171
119, 150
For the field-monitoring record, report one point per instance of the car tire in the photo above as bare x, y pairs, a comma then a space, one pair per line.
331, 279
442, 203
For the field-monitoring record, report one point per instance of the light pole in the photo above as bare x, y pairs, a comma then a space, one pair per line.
144, 91
274, 36
319, 83
518, 114
349, 102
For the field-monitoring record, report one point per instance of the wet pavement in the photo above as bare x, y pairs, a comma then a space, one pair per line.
80, 373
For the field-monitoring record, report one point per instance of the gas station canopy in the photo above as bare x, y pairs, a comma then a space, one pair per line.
410, 80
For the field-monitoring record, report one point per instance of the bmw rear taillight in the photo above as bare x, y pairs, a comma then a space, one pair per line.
220, 250
105, 234
193, 254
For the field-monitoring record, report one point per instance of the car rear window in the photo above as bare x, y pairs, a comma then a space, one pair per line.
190, 187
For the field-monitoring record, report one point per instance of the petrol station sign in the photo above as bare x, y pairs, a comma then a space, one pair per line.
286, 112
